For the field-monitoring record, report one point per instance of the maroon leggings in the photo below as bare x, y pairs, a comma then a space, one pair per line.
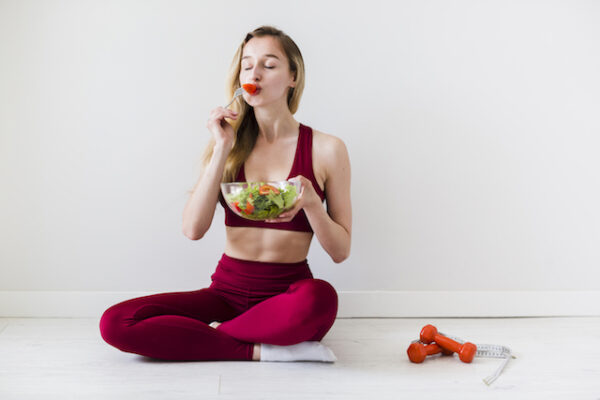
257, 302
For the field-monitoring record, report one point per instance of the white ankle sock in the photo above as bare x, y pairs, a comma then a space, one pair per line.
303, 351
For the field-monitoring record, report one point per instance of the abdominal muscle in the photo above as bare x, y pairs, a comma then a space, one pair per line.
267, 245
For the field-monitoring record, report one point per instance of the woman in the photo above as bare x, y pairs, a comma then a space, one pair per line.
263, 302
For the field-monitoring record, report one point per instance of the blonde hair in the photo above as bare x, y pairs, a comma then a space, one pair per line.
245, 126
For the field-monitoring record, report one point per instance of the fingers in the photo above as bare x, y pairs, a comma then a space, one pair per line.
283, 217
218, 114
280, 219
286, 216
223, 112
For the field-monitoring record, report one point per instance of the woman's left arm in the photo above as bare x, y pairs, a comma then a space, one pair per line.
333, 227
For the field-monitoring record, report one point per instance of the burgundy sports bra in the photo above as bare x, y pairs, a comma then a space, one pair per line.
302, 166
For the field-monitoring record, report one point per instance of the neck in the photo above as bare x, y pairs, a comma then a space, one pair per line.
275, 122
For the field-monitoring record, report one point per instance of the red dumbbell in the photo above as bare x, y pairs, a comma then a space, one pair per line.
466, 351
417, 351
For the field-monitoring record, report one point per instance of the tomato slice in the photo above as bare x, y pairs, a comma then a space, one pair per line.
249, 208
250, 88
235, 204
265, 189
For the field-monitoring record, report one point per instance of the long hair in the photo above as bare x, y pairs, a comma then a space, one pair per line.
245, 126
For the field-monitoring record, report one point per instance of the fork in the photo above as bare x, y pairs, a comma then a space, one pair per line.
249, 88
239, 91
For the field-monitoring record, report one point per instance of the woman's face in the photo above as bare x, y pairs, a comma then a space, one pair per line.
265, 65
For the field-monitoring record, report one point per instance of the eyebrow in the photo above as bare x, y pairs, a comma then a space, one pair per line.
266, 55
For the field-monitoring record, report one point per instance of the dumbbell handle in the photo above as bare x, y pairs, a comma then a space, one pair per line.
447, 343
466, 351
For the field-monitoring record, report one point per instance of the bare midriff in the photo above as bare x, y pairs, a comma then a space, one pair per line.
267, 245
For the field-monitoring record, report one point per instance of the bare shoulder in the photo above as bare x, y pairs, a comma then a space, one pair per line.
326, 141
328, 146
329, 153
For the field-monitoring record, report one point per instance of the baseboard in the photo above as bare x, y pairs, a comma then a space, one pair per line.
352, 304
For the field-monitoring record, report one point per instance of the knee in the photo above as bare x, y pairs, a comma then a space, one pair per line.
319, 297
112, 325
324, 292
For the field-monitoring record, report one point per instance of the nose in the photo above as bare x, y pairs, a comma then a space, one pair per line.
255, 75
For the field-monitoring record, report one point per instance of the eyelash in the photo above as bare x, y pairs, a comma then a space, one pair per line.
246, 69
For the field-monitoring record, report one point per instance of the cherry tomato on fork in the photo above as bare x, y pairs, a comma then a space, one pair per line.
249, 87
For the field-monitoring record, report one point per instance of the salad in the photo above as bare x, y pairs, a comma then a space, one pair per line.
259, 201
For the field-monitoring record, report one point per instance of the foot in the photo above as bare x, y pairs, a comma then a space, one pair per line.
214, 324
304, 351
256, 352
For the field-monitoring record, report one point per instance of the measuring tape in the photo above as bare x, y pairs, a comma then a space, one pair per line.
489, 351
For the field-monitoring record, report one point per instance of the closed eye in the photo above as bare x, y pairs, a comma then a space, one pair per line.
246, 69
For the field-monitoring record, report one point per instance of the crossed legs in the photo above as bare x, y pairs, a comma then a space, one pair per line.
174, 326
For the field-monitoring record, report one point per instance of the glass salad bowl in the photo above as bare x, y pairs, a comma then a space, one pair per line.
259, 201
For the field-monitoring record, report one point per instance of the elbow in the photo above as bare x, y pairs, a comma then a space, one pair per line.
195, 231
343, 252
192, 234
194, 237
340, 257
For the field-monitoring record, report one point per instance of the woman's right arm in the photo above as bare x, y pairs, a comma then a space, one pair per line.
200, 207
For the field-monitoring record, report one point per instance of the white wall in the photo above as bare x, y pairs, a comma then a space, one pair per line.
472, 129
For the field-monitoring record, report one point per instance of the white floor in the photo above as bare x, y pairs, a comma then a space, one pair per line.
557, 358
